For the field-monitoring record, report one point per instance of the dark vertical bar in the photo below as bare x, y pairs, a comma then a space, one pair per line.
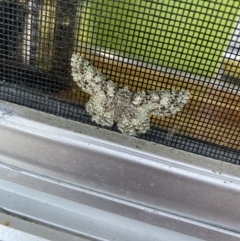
64, 37
10, 27
30, 34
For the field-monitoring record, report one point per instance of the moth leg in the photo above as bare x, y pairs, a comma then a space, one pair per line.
101, 108
133, 126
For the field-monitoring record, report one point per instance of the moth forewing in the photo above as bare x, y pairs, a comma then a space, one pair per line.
129, 110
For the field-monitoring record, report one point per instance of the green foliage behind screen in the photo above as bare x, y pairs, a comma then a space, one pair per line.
188, 35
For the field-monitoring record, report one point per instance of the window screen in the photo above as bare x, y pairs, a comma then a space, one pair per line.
187, 45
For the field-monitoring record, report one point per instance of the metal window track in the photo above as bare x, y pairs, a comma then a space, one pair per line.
96, 184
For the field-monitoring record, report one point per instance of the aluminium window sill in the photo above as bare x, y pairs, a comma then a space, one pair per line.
145, 182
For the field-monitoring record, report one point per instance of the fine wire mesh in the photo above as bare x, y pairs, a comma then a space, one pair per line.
145, 45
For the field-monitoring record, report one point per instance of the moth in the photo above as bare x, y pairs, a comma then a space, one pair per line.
130, 110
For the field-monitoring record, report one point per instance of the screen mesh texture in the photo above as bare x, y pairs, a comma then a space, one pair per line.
188, 45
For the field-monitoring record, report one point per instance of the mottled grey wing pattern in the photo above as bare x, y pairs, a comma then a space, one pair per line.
134, 122
87, 77
163, 103
101, 106
109, 104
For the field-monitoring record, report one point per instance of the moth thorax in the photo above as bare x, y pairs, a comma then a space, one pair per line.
124, 95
